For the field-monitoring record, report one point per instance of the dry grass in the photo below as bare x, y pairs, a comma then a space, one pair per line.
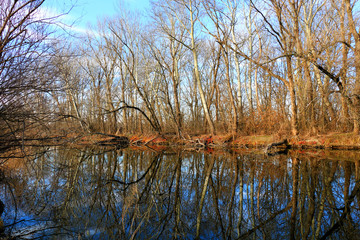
254, 140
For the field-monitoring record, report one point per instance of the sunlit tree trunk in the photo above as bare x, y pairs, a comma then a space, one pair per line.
291, 88
345, 64
250, 67
123, 97
176, 82
235, 122
196, 68
232, 9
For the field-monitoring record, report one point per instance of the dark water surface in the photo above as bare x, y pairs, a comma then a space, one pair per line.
130, 194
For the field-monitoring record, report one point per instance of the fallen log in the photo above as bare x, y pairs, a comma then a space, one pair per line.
114, 140
275, 144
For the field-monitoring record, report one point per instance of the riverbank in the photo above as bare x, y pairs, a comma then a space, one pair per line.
340, 141
336, 141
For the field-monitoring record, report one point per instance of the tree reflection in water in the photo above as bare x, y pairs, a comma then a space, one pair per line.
128, 194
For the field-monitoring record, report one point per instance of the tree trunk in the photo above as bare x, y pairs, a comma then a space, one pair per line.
197, 74
235, 123
291, 88
176, 99
113, 118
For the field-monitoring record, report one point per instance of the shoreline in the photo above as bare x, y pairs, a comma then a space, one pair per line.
335, 141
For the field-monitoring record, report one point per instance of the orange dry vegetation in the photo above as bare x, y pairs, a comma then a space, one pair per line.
148, 139
254, 140
336, 140
333, 140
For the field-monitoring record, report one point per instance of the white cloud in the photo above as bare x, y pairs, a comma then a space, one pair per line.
52, 13
64, 20
84, 31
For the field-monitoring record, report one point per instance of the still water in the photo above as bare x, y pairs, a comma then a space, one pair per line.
131, 194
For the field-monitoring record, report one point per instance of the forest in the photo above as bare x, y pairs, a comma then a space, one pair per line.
243, 67
277, 81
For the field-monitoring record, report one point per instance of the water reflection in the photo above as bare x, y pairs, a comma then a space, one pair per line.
128, 194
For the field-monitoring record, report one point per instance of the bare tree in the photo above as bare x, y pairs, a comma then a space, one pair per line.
355, 33
222, 34
23, 53
191, 8
100, 53
168, 29
130, 51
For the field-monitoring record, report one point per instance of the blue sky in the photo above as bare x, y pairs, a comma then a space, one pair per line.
85, 12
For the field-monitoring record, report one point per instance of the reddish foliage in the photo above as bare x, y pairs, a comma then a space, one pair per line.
159, 140
133, 138
209, 140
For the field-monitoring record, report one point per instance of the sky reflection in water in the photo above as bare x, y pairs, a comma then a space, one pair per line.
128, 194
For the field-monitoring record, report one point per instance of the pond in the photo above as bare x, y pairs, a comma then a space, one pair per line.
102, 193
